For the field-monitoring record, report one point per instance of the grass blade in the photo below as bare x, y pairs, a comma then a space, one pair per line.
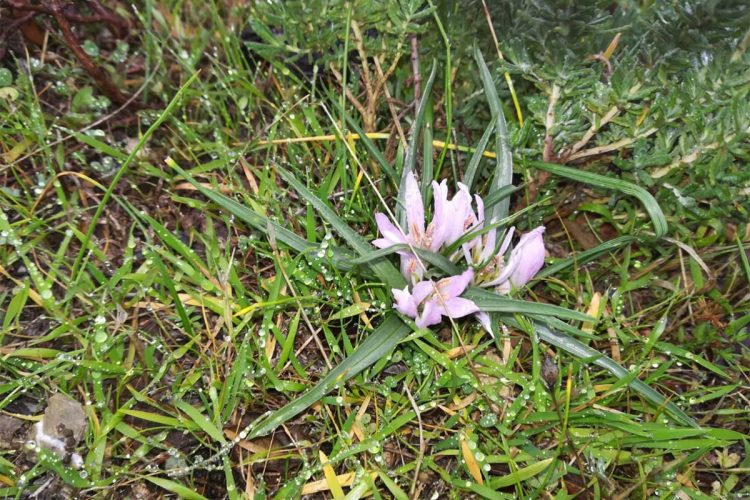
587, 255
427, 150
503, 175
174, 487
472, 169
411, 153
340, 258
522, 474
80, 261
583, 351
370, 146
382, 268
200, 420
492, 302
378, 344
649, 202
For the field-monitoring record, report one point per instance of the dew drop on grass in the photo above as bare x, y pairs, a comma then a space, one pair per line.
100, 336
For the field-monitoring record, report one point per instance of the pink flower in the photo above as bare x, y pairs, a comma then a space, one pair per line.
449, 222
524, 261
527, 258
452, 217
483, 246
428, 301
436, 300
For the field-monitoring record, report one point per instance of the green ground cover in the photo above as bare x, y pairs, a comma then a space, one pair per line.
185, 249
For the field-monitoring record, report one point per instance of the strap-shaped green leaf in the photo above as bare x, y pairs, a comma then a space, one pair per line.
649, 202
378, 344
383, 269
411, 153
472, 169
587, 255
368, 143
340, 258
582, 351
435, 259
491, 302
503, 175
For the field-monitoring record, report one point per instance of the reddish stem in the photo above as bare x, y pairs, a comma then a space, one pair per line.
103, 81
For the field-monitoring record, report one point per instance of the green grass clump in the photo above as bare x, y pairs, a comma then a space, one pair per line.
195, 269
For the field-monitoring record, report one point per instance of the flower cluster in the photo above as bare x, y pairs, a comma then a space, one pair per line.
487, 266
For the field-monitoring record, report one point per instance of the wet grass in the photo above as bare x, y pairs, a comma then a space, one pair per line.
184, 267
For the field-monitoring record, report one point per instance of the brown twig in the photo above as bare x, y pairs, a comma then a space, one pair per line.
102, 14
604, 57
415, 68
549, 154
389, 102
12, 26
117, 23
64, 15
103, 81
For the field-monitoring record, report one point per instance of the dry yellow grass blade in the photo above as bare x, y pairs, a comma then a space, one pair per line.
611, 47
471, 462
344, 480
17, 150
373, 135
331, 479
262, 446
458, 404
270, 346
59, 176
186, 299
357, 425
593, 311
33, 295
459, 351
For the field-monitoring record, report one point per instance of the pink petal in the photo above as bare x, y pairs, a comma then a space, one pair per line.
405, 303
480, 208
458, 215
478, 222
439, 222
506, 241
466, 247
422, 289
431, 315
488, 247
414, 207
458, 307
513, 262
455, 285
382, 243
389, 230
529, 254
484, 320
411, 269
